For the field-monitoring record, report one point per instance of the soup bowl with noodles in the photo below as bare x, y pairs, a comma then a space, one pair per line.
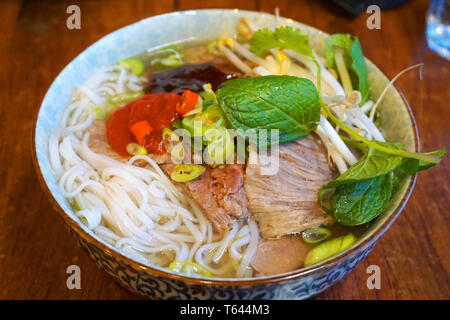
121, 255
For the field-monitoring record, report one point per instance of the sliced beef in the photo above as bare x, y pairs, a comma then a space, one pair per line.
275, 256
219, 193
227, 186
286, 202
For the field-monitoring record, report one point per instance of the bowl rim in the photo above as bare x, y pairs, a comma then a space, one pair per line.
76, 228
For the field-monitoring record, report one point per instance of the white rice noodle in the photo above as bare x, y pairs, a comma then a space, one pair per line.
91, 217
135, 209
237, 245
244, 269
226, 242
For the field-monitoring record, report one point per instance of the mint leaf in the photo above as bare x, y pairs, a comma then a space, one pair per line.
372, 164
361, 202
409, 166
354, 61
427, 159
286, 103
359, 66
424, 165
363, 191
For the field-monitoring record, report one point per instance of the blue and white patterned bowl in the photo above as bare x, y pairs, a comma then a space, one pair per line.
157, 283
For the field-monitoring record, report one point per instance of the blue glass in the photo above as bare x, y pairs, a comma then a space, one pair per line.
438, 27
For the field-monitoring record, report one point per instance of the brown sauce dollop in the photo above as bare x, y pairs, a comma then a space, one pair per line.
191, 77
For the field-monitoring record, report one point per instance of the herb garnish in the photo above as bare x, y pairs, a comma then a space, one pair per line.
292, 105
286, 103
353, 58
284, 37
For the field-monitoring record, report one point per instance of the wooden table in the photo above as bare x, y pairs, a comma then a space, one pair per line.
35, 45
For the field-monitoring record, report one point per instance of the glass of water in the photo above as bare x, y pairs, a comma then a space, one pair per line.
438, 27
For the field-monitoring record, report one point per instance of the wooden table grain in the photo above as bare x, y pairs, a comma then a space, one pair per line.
35, 45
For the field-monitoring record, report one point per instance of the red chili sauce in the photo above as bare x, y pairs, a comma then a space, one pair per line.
158, 107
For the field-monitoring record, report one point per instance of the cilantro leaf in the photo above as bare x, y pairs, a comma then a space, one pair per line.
284, 37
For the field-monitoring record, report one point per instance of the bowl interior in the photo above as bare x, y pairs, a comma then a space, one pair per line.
193, 25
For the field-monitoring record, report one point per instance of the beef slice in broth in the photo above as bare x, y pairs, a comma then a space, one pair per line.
275, 256
219, 192
286, 202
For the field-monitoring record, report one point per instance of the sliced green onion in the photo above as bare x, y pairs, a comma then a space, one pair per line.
220, 146
173, 144
315, 235
175, 49
213, 48
177, 124
189, 268
328, 249
209, 98
186, 172
168, 134
135, 149
210, 118
99, 112
168, 57
122, 98
171, 61
75, 206
134, 65
177, 152
109, 108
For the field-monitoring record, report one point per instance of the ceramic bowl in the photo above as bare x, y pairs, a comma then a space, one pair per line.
157, 283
